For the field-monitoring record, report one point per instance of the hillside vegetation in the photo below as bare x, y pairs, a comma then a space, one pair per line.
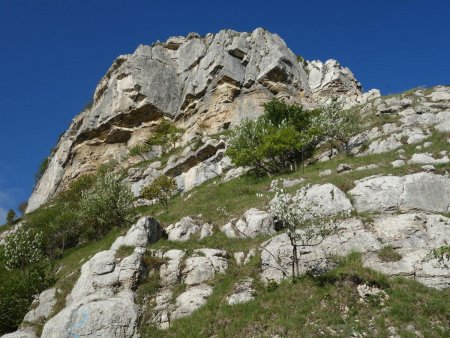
286, 144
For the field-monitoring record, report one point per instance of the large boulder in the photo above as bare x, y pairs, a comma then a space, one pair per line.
253, 223
195, 272
101, 303
203, 265
183, 230
21, 333
115, 316
415, 237
424, 191
146, 231
324, 200
349, 235
45, 306
243, 292
319, 201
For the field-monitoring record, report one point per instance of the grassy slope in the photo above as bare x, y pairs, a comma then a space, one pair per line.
327, 306
306, 308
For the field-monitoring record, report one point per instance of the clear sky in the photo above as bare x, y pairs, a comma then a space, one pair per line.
53, 53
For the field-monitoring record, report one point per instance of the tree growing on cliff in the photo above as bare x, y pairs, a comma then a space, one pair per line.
11, 216
303, 228
109, 203
338, 125
161, 189
277, 141
165, 135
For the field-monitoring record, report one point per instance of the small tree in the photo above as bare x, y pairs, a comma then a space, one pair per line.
161, 189
23, 207
303, 229
109, 203
11, 216
337, 124
277, 141
166, 135
23, 251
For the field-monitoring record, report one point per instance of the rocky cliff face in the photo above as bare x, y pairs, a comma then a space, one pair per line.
205, 84
389, 201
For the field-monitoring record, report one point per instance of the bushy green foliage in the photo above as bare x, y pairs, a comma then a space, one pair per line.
442, 254
24, 272
161, 188
87, 210
275, 142
11, 216
106, 205
23, 248
285, 135
138, 150
166, 135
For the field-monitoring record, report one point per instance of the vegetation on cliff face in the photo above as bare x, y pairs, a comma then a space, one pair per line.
92, 207
88, 216
286, 135
328, 305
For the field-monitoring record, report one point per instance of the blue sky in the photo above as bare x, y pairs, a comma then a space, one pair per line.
53, 53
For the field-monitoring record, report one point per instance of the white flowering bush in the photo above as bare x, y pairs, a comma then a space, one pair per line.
304, 228
109, 203
23, 249
337, 124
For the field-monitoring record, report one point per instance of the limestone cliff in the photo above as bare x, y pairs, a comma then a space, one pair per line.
205, 83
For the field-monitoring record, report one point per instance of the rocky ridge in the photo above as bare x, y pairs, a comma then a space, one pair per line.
406, 212
206, 84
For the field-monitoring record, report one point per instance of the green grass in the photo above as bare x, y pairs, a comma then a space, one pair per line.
218, 202
388, 254
326, 306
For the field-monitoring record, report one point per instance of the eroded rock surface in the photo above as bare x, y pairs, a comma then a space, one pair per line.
194, 272
101, 303
424, 191
414, 236
206, 84
253, 223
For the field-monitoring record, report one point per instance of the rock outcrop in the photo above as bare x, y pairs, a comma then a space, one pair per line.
194, 272
414, 236
102, 301
253, 223
423, 191
204, 83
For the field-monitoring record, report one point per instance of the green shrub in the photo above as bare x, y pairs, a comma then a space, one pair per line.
277, 141
337, 124
24, 273
11, 216
388, 254
138, 150
161, 189
442, 254
166, 135
108, 204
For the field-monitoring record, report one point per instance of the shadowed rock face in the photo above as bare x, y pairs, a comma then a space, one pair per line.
218, 80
